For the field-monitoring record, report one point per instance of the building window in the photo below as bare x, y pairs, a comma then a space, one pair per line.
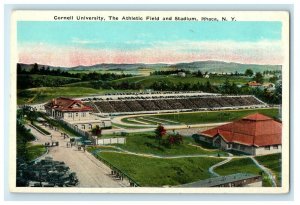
235, 146
70, 114
90, 126
267, 148
242, 147
83, 114
83, 127
275, 147
76, 114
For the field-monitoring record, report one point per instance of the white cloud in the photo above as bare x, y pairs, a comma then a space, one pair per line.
84, 41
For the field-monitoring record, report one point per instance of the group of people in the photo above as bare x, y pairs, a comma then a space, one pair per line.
69, 144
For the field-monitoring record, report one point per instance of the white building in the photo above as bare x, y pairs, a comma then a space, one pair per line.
76, 113
181, 74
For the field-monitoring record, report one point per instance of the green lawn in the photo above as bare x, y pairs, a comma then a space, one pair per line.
40, 128
244, 165
149, 80
273, 162
153, 172
127, 127
128, 120
151, 121
146, 143
211, 116
35, 151
145, 120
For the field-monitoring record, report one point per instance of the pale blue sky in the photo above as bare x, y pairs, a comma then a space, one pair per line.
121, 34
71, 43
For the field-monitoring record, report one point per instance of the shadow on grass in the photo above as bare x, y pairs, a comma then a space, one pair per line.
154, 146
153, 137
205, 145
238, 153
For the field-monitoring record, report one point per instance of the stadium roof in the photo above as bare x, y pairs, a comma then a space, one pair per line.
67, 104
256, 129
217, 181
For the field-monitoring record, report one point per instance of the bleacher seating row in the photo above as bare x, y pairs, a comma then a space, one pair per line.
119, 106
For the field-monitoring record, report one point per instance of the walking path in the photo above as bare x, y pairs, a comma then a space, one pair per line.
93, 173
122, 151
211, 169
266, 170
90, 171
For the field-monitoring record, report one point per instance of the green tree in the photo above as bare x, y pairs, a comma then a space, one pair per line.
226, 87
208, 86
19, 68
234, 89
199, 74
273, 79
160, 131
249, 72
259, 78
35, 69
97, 131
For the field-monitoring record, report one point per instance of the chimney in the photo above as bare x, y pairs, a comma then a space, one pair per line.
54, 101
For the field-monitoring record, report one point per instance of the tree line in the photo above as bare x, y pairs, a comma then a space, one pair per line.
58, 72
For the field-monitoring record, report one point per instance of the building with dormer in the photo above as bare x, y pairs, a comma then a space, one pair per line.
75, 113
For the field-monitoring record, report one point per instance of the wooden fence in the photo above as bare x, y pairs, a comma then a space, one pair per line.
118, 140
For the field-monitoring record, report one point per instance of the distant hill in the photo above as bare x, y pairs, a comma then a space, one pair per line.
204, 66
112, 66
220, 66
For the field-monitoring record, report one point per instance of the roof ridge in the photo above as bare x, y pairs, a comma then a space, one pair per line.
257, 117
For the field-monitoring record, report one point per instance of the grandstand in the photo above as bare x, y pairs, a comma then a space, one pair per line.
170, 102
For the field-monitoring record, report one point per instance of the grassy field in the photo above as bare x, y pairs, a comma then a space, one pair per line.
146, 143
209, 117
43, 94
244, 165
152, 172
116, 125
35, 151
149, 80
272, 162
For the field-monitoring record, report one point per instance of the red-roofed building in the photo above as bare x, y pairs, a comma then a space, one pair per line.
67, 108
254, 84
255, 134
76, 113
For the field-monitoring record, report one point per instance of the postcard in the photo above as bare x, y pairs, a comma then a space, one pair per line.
149, 102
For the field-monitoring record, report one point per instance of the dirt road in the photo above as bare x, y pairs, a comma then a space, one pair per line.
90, 171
